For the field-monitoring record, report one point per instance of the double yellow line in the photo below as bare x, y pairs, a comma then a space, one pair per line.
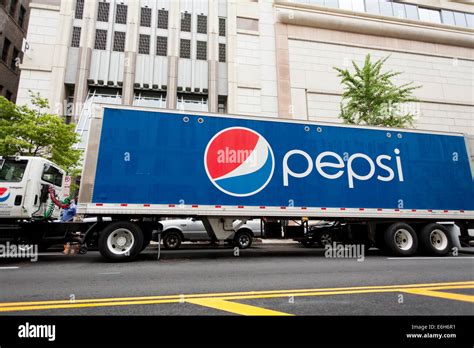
221, 301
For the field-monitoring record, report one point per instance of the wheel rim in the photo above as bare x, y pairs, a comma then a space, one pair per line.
403, 239
326, 238
439, 240
172, 241
120, 241
244, 240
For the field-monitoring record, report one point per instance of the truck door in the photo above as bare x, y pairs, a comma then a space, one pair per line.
13, 183
53, 176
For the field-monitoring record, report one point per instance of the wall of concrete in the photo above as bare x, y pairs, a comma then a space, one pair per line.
446, 95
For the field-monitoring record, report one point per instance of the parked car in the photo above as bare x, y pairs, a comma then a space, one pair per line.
320, 233
178, 230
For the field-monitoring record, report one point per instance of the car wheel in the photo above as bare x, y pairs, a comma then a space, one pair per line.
434, 240
243, 239
400, 239
121, 241
172, 240
325, 238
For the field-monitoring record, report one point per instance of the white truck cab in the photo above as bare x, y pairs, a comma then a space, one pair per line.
23, 182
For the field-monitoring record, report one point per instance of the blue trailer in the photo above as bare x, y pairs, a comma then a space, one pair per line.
403, 190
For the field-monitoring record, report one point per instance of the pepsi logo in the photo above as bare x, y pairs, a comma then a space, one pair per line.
239, 161
4, 194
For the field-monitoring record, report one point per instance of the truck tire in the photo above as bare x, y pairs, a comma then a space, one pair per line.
400, 239
146, 241
121, 241
243, 239
172, 240
435, 240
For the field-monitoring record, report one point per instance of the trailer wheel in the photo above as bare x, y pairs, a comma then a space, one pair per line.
146, 241
121, 241
400, 239
434, 239
172, 240
243, 239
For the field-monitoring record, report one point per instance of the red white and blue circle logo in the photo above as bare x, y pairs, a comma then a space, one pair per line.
239, 161
4, 194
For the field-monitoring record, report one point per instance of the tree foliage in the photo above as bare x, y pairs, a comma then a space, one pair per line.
370, 96
32, 131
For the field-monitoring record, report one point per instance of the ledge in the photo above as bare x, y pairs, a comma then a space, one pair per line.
44, 6
364, 23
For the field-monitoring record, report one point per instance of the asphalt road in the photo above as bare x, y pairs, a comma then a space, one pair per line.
267, 279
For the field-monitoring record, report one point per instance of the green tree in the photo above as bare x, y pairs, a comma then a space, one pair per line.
371, 98
32, 131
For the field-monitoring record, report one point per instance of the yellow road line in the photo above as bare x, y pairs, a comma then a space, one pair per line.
280, 293
125, 301
445, 295
234, 307
83, 305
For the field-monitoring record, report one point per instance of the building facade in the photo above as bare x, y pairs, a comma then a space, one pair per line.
13, 26
268, 57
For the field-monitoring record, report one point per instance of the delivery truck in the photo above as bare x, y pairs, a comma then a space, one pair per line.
406, 191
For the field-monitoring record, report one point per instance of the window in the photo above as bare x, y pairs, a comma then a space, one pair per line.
331, 3
100, 39
121, 14
52, 175
399, 10
470, 20
386, 8
119, 41
429, 15
21, 17
411, 11
13, 5
372, 6
145, 17
448, 17
185, 48
1, 89
103, 12
352, 5
76, 36
247, 24
222, 28
202, 24
16, 55
8, 95
201, 50
79, 9
186, 22
161, 46
12, 170
460, 19
6, 49
144, 44
162, 19
222, 53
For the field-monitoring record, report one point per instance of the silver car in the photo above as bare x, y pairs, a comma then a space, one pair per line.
178, 230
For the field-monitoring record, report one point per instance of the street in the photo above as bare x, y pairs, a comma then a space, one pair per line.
284, 279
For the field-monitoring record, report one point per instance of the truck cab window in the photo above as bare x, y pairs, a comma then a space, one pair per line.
52, 175
12, 170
